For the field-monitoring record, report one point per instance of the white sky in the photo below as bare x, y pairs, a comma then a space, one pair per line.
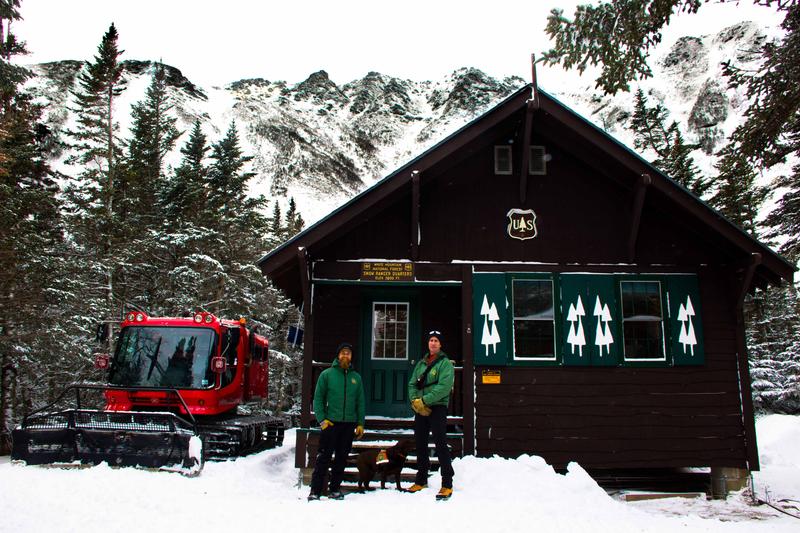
218, 42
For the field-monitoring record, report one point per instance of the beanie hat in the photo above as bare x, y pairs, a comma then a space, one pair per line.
344, 345
434, 333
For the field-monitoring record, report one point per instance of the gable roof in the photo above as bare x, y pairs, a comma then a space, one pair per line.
771, 269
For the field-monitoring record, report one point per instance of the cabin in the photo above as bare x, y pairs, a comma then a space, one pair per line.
592, 306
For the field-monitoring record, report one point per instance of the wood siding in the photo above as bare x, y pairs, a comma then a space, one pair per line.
624, 417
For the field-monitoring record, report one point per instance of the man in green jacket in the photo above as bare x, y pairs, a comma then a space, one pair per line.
339, 408
429, 391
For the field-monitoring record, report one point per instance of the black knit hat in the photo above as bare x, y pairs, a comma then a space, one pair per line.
343, 346
434, 333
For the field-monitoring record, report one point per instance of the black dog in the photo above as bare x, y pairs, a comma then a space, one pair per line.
391, 462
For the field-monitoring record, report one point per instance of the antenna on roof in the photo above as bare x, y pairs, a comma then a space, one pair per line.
534, 83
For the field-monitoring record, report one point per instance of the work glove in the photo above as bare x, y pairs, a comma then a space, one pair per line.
325, 424
419, 407
359, 432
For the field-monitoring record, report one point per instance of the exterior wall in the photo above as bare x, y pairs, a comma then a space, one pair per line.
614, 417
610, 417
339, 309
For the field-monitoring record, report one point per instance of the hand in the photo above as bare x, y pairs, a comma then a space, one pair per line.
359, 432
325, 424
419, 407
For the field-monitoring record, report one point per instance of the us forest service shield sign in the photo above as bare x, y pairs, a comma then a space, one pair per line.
521, 224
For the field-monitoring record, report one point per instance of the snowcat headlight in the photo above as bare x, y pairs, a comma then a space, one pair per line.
209, 318
131, 317
140, 317
198, 318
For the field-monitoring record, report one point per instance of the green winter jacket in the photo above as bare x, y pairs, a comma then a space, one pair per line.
438, 383
339, 396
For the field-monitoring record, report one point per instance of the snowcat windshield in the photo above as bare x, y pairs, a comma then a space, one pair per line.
164, 357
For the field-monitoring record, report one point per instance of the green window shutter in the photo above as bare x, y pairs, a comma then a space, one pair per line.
685, 324
489, 318
589, 315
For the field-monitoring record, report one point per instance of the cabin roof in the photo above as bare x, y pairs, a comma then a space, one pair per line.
772, 269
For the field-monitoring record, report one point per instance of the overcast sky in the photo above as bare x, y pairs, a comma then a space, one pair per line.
217, 42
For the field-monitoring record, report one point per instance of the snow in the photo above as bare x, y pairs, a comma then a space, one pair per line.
262, 492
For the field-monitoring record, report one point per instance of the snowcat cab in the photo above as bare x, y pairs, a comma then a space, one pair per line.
174, 385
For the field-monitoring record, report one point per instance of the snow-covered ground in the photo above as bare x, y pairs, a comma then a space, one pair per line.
261, 493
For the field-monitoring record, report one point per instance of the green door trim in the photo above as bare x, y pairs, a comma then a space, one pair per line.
385, 381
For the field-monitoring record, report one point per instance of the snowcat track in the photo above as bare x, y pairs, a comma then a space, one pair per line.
242, 435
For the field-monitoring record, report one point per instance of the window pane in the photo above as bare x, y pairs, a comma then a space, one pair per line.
533, 300
641, 300
390, 327
641, 316
643, 340
400, 349
533, 338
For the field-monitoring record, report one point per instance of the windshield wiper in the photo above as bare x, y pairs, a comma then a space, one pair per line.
154, 359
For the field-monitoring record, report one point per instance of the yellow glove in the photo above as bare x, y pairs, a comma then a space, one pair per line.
359, 432
419, 407
325, 424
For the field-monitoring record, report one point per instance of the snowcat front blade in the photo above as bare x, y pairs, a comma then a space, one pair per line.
150, 440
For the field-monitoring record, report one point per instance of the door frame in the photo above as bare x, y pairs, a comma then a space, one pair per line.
405, 294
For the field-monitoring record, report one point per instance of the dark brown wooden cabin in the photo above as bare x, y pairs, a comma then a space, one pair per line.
592, 305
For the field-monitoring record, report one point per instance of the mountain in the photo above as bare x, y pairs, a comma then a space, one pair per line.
322, 143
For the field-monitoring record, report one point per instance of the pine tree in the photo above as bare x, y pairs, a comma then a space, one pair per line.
784, 221
187, 241
673, 155
773, 339
153, 135
32, 248
185, 197
679, 164
616, 36
276, 225
737, 195
139, 220
294, 221
91, 196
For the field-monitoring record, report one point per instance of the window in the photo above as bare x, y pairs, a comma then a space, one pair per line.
390, 330
502, 160
164, 357
642, 321
537, 164
534, 320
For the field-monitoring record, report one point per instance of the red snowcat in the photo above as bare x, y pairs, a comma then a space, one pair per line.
174, 385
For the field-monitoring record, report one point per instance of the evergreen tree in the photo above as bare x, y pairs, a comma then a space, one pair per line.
784, 221
294, 221
184, 198
153, 136
276, 225
673, 155
136, 212
32, 249
679, 164
91, 196
737, 195
773, 339
617, 36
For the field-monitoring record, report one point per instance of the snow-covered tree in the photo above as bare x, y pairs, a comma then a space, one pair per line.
673, 155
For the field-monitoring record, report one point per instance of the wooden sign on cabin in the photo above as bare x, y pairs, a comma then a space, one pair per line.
387, 272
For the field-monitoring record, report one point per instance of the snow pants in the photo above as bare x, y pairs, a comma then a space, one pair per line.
424, 426
337, 439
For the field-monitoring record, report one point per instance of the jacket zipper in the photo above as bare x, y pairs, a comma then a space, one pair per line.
344, 403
